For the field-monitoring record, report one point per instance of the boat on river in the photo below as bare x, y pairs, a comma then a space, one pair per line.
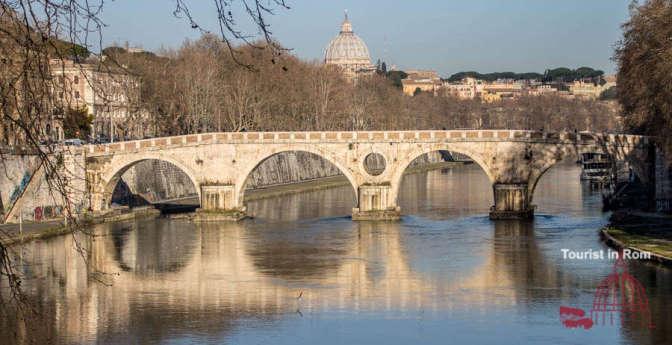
596, 167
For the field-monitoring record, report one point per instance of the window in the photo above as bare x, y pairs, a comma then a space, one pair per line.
77, 94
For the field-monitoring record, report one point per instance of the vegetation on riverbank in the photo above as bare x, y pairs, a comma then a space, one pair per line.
641, 231
38, 235
656, 242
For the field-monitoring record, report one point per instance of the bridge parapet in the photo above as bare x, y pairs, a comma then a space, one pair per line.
426, 136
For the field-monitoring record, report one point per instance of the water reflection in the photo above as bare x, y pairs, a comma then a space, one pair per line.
453, 191
337, 201
444, 271
164, 246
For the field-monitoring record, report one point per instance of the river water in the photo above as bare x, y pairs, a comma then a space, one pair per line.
302, 272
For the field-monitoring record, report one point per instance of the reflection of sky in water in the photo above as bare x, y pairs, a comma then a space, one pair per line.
441, 247
444, 274
455, 327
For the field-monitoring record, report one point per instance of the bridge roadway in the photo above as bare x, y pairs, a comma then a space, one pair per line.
219, 163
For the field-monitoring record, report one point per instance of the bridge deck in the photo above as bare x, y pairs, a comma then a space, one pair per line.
368, 136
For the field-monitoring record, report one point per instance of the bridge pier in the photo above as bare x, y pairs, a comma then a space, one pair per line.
218, 203
511, 202
375, 204
97, 201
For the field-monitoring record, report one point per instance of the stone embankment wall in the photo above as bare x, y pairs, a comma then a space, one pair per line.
663, 182
15, 172
27, 192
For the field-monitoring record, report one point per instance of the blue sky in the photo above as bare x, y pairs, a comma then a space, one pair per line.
445, 35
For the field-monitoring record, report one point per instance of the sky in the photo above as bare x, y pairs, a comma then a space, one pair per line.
448, 36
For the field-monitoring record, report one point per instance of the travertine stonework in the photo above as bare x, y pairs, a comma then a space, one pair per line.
220, 163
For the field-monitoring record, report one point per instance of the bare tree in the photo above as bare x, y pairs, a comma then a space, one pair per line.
38, 37
644, 58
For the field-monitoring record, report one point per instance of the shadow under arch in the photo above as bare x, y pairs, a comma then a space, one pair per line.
242, 181
621, 148
398, 175
619, 158
113, 178
563, 169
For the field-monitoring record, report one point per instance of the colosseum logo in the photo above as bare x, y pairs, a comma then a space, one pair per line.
619, 296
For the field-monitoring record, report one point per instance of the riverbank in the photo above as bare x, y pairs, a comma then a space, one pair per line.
640, 231
14, 234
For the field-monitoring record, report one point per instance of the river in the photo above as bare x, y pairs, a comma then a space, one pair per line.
302, 272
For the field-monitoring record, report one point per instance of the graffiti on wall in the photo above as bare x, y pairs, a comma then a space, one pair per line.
46, 212
18, 190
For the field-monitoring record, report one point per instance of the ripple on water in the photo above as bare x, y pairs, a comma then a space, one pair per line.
303, 272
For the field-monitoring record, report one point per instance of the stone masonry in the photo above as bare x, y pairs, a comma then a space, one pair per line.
219, 164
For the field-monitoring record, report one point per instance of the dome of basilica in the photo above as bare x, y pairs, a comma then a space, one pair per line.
347, 50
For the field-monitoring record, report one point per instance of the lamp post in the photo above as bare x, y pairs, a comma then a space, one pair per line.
111, 124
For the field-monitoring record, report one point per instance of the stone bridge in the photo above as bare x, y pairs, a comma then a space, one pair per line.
219, 163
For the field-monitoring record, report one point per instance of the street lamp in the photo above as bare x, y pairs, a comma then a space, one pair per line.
109, 114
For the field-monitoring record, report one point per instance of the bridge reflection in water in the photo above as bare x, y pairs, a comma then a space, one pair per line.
170, 279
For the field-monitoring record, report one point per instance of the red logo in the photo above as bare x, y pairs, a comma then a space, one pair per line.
619, 294
575, 317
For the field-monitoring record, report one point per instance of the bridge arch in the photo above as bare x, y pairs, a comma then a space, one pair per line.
635, 157
323, 154
403, 164
117, 170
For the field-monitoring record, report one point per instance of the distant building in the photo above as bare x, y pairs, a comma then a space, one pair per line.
467, 88
349, 53
135, 50
501, 90
585, 89
541, 90
52, 130
591, 90
425, 81
610, 80
109, 94
49, 128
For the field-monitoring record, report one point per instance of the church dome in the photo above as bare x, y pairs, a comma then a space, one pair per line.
347, 49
